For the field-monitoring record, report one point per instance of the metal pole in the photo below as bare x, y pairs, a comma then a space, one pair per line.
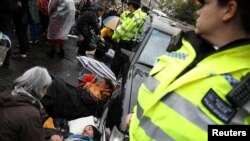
149, 3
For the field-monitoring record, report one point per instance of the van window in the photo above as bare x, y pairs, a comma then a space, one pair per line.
154, 48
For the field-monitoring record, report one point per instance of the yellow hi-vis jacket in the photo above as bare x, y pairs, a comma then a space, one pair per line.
130, 27
124, 16
178, 107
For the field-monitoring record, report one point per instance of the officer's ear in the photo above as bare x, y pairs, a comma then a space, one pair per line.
230, 11
175, 42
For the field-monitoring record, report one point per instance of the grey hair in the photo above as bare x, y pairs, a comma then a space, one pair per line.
33, 80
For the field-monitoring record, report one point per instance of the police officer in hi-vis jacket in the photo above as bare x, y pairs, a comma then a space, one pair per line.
187, 89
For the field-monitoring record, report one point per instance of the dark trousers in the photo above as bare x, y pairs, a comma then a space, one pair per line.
121, 62
84, 44
128, 45
44, 22
34, 32
21, 32
100, 52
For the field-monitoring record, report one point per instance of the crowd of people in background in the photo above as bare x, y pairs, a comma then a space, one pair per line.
30, 20
216, 58
36, 93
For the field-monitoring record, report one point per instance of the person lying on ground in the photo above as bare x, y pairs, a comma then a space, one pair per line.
66, 101
89, 133
96, 88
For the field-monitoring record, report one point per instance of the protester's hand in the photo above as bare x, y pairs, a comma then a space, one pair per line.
128, 119
56, 138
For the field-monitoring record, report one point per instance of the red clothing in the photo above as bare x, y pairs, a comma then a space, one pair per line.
56, 42
87, 78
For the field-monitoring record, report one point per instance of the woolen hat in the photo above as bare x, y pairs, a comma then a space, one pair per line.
97, 135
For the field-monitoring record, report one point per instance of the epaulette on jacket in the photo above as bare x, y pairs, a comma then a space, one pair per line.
195, 40
175, 42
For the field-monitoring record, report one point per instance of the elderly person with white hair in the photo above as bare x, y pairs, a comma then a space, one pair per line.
21, 113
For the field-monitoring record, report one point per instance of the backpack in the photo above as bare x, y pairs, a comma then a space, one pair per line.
43, 6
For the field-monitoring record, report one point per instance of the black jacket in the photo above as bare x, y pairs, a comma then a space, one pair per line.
66, 101
88, 20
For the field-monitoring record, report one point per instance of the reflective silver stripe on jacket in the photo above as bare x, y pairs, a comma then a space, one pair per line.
151, 83
180, 105
187, 109
150, 128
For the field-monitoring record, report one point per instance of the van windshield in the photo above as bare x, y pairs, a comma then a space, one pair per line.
155, 47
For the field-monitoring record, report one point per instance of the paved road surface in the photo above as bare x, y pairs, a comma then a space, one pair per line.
67, 68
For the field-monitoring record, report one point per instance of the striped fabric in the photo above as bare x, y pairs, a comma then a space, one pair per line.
97, 68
